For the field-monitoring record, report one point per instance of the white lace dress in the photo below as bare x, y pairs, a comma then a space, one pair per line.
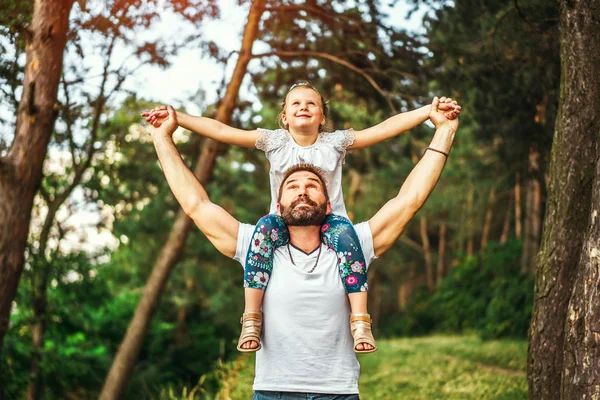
327, 153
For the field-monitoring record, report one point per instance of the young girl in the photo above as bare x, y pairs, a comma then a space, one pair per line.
302, 140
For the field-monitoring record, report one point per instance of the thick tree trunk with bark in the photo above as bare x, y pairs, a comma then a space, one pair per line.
565, 246
581, 372
129, 349
21, 169
581, 360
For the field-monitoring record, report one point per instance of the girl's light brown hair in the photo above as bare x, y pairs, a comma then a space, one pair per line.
308, 85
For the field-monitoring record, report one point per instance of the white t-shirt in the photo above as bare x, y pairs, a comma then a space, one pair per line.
306, 340
327, 153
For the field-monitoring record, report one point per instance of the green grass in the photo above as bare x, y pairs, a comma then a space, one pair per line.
434, 367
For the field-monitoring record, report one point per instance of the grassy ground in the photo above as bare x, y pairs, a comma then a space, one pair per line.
435, 367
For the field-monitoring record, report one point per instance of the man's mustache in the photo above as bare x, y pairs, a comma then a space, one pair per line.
303, 200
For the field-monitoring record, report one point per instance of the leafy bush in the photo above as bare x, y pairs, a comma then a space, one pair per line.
487, 294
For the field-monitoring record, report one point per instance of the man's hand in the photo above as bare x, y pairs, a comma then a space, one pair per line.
439, 118
165, 125
156, 116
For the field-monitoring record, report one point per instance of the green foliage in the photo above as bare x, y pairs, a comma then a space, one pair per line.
487, 294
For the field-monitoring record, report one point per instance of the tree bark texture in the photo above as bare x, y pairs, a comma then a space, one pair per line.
21, 169
565, 245
580, 21
581, 371
129, 349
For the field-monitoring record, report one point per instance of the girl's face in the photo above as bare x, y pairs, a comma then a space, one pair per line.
303, 110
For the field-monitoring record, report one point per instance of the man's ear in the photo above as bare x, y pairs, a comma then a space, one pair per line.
278, 209
329, 209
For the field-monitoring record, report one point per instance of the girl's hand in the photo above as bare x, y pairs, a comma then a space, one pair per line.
448, 107
167, 125
156, 116
439, 117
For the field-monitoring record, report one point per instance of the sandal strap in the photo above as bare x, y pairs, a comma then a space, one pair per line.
251, 328
251, 314
360, 327
360, 317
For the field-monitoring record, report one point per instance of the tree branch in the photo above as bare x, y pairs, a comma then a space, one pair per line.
308, 53
313, 10
411, 243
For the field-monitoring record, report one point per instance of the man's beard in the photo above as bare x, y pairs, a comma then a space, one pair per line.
314, 215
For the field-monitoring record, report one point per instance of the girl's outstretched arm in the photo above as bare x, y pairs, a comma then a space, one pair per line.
401, 123
207, 127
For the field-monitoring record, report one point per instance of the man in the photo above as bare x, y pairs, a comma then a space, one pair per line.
307, 346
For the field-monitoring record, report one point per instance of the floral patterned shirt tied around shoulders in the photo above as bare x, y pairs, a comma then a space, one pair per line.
327, 153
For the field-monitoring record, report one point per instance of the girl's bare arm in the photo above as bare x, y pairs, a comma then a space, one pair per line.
206, 127
401, 123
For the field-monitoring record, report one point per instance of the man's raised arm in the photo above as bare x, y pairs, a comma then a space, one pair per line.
216, 223
389, 222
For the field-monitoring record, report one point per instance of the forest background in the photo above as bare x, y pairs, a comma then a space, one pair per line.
465, 263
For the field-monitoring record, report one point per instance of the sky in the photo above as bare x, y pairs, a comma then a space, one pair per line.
189, 71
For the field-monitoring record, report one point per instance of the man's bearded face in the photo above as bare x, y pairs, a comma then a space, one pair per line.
309, 213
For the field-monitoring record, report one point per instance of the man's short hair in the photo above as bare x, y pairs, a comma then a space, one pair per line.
303, 167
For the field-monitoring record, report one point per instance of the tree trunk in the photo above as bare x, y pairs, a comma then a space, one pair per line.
41, 273
488, 220
427, 254
39, 285
470, 239
507, 215
580, 55
406, 289
181, 331
565, 245
441, 254
581, 371
130, 347
21, 169
533, 215
518, 206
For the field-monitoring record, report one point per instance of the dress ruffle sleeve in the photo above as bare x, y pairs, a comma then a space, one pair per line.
271, 140
340, 140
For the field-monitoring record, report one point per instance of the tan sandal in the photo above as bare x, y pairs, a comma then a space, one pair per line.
360, 327
251, 328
